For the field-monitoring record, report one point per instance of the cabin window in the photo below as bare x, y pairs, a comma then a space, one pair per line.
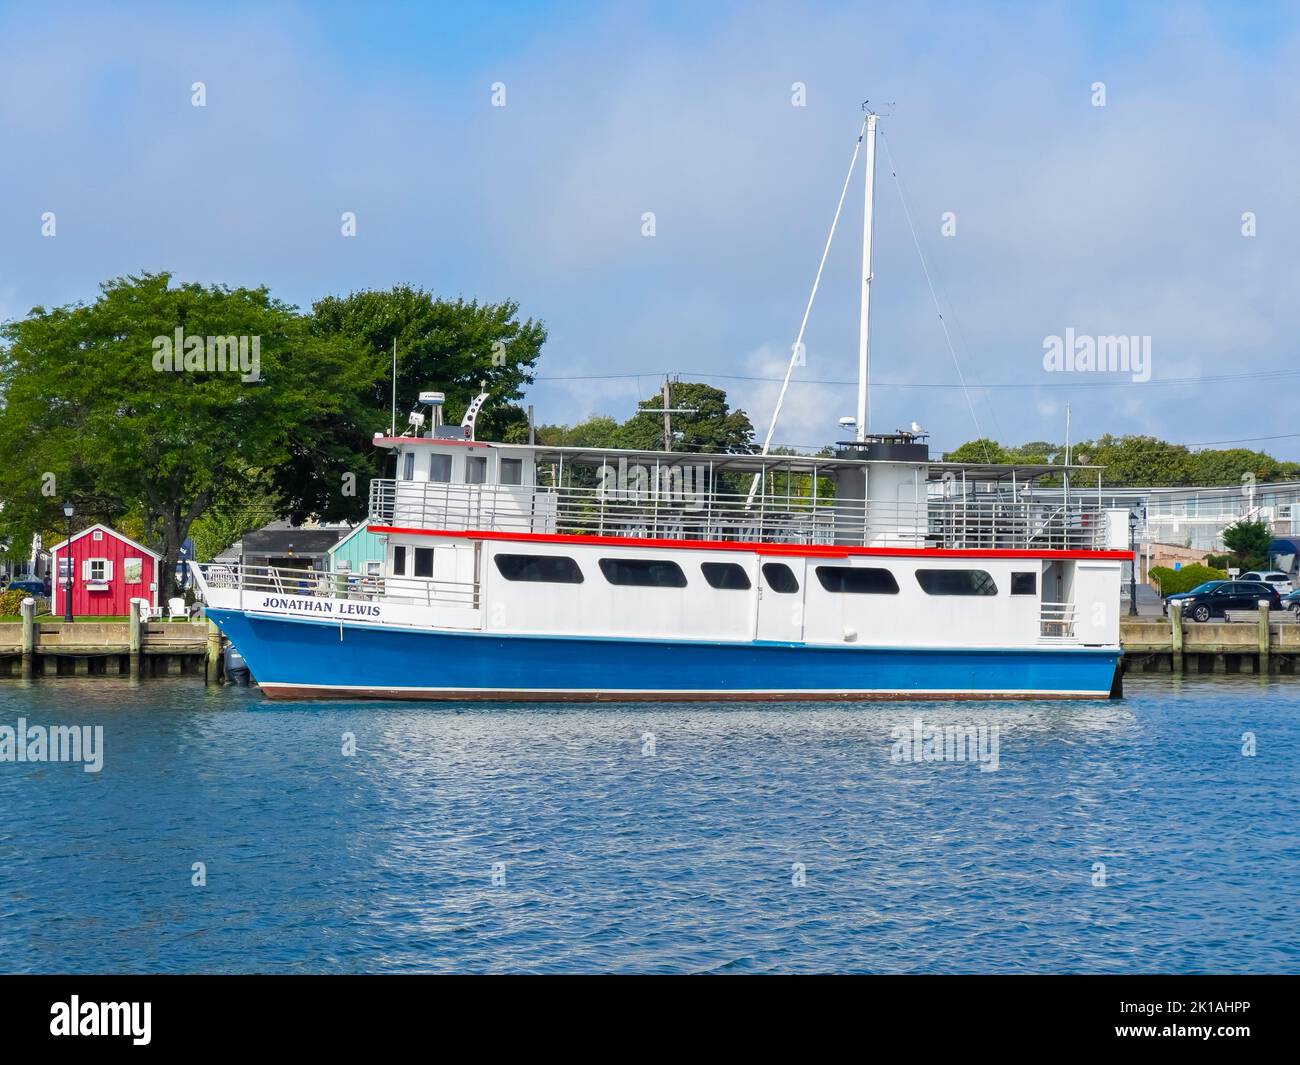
857, 580
132, 570
1024, 584
643, 572
374, 569
780, 578
424, 562
399, 561
439, 467
542, 569
475, 470
512, 471
408, 466
956, 582
726, 575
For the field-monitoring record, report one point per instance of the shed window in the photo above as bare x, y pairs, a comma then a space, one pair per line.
857, 580
512, 471
956, 582
780, 578
1024, 584
424, 562
439, 467
542, 569
726, 575
643, 572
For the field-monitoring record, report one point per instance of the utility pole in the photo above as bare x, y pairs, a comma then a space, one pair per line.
667, 412
668, 420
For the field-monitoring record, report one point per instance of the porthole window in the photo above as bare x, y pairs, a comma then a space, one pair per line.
857, 580
643, 572
956, 582
780, 578
541, 569
1024, 584
726, 575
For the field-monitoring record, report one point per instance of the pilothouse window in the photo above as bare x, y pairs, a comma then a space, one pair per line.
643, 572
956, 582
512, 471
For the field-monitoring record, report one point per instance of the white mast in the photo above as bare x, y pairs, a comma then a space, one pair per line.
864, 360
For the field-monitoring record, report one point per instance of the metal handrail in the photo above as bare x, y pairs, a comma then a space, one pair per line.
299, 583
716, 515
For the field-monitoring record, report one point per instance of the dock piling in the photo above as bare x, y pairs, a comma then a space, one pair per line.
28, 611
1176, 634
1263, 667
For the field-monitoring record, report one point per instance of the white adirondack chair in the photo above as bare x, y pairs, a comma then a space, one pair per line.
176, 608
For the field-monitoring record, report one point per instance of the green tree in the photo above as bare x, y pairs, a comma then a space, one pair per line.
452, 346
88, 415
598, 431
713, 426
1248, 541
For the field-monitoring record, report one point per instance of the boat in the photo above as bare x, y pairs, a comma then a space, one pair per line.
521, 571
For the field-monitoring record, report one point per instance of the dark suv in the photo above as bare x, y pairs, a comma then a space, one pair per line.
1204, 603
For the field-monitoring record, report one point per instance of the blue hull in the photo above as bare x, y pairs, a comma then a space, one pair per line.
300, 658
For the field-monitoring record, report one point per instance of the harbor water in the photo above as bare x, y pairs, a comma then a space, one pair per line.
222, 833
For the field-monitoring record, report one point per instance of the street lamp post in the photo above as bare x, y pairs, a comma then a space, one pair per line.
1133, 568
67, 584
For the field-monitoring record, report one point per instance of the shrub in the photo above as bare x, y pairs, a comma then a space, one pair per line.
1185, 579
11, 600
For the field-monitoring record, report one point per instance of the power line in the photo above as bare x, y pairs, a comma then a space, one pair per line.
1256, 375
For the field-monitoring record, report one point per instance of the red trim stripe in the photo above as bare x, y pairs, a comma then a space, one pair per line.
807, 550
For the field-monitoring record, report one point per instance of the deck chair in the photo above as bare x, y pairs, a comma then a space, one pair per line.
176, 608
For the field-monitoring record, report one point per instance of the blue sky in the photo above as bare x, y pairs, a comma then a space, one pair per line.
1122, 219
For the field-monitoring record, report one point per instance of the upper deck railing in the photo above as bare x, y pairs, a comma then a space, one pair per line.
720, 516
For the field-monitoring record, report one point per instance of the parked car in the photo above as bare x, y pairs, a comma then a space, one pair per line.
1200, 589
31, 587
1214, 598
1275, 577
1291, 601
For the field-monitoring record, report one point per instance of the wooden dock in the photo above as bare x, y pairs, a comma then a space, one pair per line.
1174, 645
137, 648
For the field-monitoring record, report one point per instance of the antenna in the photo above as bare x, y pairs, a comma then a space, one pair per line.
393, 428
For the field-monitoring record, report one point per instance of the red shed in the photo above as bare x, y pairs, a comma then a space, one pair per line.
109, 570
